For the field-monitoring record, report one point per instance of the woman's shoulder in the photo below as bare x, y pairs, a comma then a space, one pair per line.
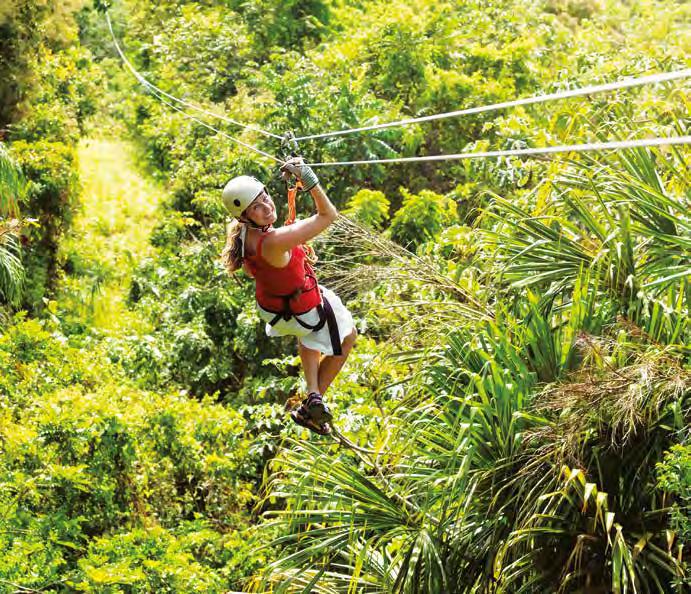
259, 250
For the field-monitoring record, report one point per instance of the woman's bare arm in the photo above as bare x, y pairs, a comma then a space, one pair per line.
284, 239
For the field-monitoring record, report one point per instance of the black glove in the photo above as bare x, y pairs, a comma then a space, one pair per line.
303, 173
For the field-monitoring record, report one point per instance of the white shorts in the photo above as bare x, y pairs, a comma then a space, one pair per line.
320, 340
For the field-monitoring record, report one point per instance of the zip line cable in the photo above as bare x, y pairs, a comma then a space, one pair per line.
652, 79
565, 148
159, 94
210, 127
568, 148
622, 84
150, 85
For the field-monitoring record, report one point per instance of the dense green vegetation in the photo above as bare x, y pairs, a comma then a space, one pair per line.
520, 396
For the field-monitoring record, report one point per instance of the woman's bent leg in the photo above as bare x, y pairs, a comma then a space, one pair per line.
332, 364
310, 366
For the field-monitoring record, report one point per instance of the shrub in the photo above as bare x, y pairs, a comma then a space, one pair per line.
99, 479
52, 190
369, 207
422, 217
674, 476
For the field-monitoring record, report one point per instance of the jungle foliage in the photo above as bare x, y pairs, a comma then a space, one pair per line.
520, 393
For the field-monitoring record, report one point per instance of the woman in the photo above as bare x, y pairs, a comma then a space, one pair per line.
289, 298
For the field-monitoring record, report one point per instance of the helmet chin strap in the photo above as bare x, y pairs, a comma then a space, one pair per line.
250, 223
243, 231
243, 234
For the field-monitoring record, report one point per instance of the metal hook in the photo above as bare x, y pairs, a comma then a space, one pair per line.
289, 145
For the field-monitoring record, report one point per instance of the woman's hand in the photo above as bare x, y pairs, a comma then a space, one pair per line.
303, 173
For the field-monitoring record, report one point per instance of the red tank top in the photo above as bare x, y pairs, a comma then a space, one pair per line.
294, 286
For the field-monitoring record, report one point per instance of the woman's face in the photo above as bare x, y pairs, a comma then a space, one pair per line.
262, 210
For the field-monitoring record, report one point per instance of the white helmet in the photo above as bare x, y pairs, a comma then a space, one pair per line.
240, 192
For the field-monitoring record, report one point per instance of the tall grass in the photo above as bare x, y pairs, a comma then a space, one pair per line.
118, 213
11, 189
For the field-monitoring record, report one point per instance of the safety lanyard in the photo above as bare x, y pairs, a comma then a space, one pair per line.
292, 193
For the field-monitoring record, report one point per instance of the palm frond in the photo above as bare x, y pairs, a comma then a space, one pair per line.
11, 184
619, 220
11, 268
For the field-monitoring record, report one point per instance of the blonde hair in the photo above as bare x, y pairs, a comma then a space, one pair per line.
231, 256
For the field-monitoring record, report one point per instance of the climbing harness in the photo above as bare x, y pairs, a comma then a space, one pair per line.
324, 311
298, 302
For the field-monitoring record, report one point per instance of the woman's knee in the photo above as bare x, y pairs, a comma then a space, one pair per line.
349, 341
353, 336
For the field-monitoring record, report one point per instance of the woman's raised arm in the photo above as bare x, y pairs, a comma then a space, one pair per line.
286, 238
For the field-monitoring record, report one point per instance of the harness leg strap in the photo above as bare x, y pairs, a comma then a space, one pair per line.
319, 325
333, 327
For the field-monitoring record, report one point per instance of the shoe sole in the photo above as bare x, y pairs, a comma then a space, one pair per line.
319, 429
